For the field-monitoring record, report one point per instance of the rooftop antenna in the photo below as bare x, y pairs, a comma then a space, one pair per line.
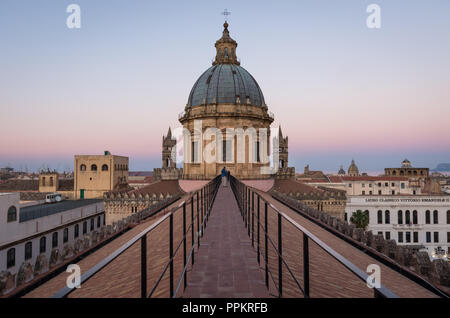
226, 13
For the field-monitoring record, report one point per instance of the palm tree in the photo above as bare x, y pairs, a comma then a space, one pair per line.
360, 219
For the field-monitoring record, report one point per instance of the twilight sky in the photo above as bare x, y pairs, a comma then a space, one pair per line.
339, 89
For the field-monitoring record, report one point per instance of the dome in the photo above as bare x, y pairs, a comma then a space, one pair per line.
353, 169
226, 83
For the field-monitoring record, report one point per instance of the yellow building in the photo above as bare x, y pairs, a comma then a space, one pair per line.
96, 174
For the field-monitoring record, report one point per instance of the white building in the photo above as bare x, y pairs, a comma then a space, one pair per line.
421, 221
28, 231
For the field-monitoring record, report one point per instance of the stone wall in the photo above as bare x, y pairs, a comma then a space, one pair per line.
437, 271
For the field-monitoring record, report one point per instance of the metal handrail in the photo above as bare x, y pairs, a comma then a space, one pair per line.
204, 199
245, 196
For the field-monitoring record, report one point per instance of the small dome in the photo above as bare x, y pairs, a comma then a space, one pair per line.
406, 163
226, 83
353, 169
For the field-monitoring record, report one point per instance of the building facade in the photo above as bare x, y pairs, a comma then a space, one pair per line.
419, 221
407, 170
96, 174
31, 234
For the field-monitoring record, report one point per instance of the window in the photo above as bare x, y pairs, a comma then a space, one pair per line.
257, 157
65, 235
227, 151
448, 217
349, 185
435, 217
428, 237
407, 217
379, 192
408, 237
83, 167
76, 231
370, 192
379, 184
400, 217
51, 181
55, 240
387, 217
42, 245
448, 237
380, 217
92, 224
415, 217
403, 185
380, 233
370, 185
393, 184
393, 192
10, 257
84, 227
400, 237
388, 235
386, 184
345, 217
194, 152
93, 167
12, 214
105, 168
98, 221
364, 192
416, 237
436, 237
28, 250
427, 217
363, 185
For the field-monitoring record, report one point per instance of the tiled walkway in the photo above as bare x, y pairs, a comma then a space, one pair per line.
226, 263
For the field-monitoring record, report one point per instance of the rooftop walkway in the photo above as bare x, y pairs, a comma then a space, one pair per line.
226, 263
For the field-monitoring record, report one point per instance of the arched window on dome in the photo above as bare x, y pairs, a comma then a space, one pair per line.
232, 52
226, 52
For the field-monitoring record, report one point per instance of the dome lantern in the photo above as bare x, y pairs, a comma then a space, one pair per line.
226, 48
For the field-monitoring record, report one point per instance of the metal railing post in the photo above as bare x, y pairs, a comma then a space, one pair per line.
144, 266
184, 244
266, 256
171, 253
253, 219
198, 220
201, 207
248, 212
258, 231
280, 260
192, 229
306, 265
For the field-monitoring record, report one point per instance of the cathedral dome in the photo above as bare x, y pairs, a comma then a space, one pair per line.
226, 83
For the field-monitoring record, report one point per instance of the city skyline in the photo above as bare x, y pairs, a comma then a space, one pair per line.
341, 91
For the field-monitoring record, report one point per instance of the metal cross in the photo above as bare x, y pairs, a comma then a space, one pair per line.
226, 13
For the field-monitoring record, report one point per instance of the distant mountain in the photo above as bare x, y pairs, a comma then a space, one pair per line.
442, 167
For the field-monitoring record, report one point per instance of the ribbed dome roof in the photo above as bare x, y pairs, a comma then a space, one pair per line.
225, 83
